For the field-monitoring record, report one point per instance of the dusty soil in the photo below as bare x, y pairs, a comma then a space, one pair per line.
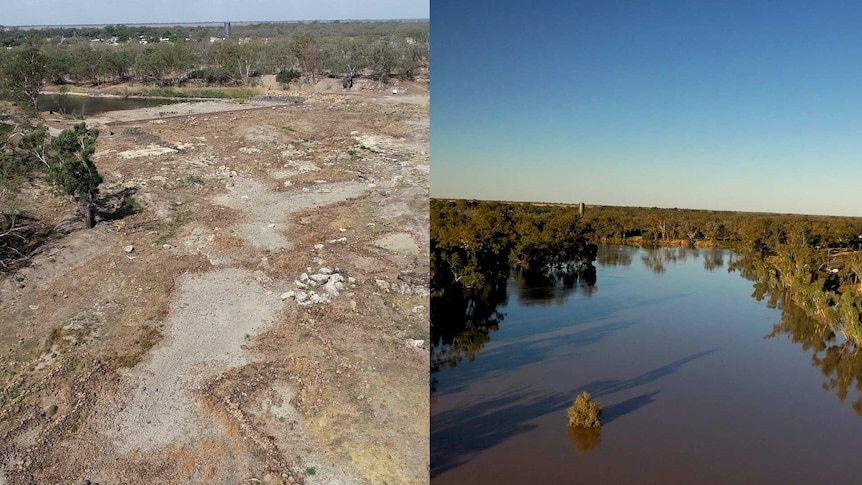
262, 318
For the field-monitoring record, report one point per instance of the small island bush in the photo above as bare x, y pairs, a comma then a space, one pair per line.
585, 413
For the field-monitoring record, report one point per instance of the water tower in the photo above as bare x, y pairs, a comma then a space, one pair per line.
227, 30
581, 209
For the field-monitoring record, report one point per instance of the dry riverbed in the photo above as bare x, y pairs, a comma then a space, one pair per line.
263, 317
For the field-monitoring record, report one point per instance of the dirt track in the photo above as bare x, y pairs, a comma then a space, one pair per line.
248, 324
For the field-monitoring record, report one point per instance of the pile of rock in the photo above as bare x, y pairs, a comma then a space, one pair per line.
318, 288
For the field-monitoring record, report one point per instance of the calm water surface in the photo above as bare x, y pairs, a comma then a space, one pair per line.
89, 105
676, 349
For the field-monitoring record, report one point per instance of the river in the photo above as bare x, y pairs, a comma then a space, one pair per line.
698, 380
90, 105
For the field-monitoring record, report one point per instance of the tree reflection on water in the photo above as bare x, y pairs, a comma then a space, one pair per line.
819, 311
462, 319
585, 439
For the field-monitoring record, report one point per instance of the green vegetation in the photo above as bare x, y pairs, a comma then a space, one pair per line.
475, 246
585, 413
21, 73
285, 76
310, 471
66, 158
209, 93
194, 179
199, 56
133, 205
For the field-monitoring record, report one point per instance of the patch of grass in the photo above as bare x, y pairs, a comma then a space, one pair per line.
73, 364
287, 128
14, 394
310, 471
133, 204
354, 155
171, 227
228, 240
194, 179
585, 413
214, 93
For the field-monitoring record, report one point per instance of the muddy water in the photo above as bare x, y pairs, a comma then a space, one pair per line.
673, 346
89, 105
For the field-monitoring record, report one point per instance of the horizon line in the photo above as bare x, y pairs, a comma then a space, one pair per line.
587, 205
144, 24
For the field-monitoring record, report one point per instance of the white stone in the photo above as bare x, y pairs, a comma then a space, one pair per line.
289, 294
324, 270
418, 309
129, 248
320, 278
318, 246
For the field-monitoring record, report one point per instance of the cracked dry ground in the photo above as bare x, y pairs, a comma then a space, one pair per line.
189, 359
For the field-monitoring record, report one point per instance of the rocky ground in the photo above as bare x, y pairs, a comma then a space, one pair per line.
261, 318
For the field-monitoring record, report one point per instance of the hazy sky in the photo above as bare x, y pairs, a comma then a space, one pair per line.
743, 105
66, 12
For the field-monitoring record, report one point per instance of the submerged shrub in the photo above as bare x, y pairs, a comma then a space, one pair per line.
585, 413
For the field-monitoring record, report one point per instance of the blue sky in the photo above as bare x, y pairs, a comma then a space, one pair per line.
70, 12
753, 106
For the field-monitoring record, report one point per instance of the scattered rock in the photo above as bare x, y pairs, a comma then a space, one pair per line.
320, 278
418, 309
382, 284
289, 294
129, 248
415, 344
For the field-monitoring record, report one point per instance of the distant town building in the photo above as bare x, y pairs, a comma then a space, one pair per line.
227, 30
581, 209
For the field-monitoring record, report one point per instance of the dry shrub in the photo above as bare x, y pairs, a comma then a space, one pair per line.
228, 240
585, 413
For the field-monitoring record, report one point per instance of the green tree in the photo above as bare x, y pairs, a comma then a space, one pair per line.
22, 73
67, 162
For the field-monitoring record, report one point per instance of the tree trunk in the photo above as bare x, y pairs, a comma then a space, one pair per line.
88, 214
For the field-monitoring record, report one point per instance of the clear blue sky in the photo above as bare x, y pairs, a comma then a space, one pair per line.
70, 12
753, 106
